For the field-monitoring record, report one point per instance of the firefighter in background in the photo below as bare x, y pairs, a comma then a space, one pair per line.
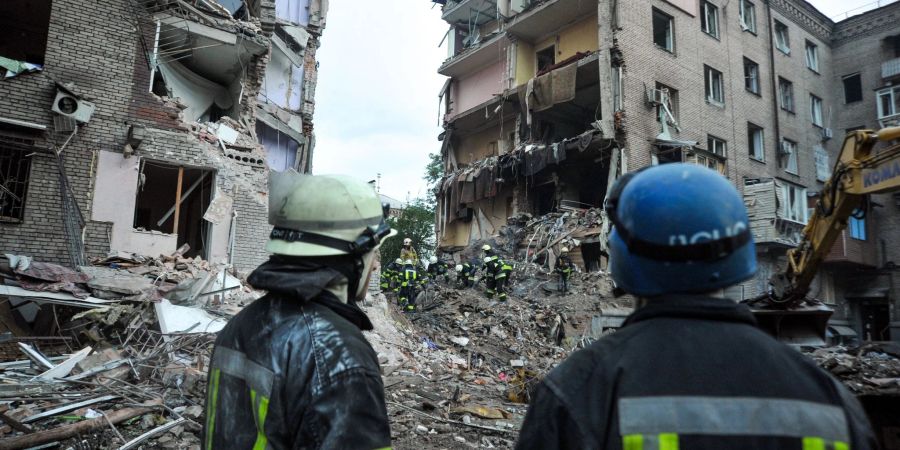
465, 275
389, 275
563, 268
437, 268
496, 274
408, 253
409, 286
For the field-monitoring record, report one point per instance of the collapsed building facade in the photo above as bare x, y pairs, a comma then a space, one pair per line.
140, 126
548, 102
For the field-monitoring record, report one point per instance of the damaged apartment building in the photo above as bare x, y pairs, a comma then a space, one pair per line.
148, 126
548, 102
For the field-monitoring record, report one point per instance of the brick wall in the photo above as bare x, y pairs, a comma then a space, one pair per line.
108, 66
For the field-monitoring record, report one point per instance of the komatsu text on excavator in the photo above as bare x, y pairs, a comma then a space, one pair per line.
860, 170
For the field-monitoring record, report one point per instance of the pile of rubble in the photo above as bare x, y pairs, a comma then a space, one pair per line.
123, 361
872, 369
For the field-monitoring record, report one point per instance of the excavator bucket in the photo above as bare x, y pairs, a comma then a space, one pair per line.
803, 325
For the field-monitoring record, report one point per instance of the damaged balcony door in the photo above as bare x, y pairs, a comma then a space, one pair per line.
173, 199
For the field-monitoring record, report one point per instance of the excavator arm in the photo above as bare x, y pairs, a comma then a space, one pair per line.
858, 172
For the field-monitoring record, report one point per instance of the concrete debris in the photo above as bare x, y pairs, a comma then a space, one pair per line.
872, 369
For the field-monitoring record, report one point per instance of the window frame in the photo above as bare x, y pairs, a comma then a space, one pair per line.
782, 37
821, 158
786, 95
710, 28
743, 18
671, 30
752, 131
709, 76
812, 63
893, 93
789, 160
749, 63
21, 156
817, 115
711, 142
790, 211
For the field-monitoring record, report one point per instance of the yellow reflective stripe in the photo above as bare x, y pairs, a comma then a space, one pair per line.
259, 416
211, 407
841, 445
668, 441
633, 442
813, 443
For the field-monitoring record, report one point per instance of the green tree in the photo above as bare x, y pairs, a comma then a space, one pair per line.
416, 222
434, 171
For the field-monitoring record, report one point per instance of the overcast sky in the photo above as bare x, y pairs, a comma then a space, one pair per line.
377, 96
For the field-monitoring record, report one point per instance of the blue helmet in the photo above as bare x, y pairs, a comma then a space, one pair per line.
679, 228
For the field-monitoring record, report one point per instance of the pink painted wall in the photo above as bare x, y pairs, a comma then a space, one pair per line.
476, 89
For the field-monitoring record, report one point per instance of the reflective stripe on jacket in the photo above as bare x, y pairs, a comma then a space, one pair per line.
691, 372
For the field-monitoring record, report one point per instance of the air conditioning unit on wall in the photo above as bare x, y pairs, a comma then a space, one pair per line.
70, 106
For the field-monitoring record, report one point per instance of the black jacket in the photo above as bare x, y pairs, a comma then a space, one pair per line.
694, 370
293, 370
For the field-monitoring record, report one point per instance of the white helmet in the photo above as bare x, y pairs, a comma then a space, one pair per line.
433, 259
459, 267
324, 215
407, 241
487, 259
564, 250
486, 248
398, 261
408, 262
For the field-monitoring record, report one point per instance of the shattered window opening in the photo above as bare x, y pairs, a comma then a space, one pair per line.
852, 88
709, 19
24, 27
715, 86
15, 168
812, 56
663, 30
747, 15
788, 156
782, 38
815, 110
786, 94
156, 209
794, 207
546, 58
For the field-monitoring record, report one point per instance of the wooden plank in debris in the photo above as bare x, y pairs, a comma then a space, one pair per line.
68, 431
136, 441
178, 199
68, 407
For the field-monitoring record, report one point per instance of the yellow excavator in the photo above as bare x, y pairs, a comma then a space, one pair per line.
785, 312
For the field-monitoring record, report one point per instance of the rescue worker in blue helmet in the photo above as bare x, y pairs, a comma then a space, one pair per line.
688, 369
293, 369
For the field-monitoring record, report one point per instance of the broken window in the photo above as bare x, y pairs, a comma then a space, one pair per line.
715, 86
717, 146
751, 76
794, 207
782, 39
709, 19
815, 110
788, 156
812, 56
852, 88
756, 143
15, 167
708, 161
173, 199
671, 105
281, 150
786, 94
747, 15
888, 102
663, 30
546, 58
24, 25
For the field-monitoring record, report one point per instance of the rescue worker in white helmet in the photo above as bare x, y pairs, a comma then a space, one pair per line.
293, 370
438, 269
409, 252
563, 269
688, 369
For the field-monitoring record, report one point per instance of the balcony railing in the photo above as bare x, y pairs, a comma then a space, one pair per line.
890, 68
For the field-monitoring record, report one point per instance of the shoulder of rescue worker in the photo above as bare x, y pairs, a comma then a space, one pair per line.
339, 346
588, 367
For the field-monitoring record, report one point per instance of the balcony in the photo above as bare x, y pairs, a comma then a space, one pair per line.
548, 17
890, 68
470, 12
849, 251
476, 57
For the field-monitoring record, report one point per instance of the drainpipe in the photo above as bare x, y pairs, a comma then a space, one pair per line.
775, 92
